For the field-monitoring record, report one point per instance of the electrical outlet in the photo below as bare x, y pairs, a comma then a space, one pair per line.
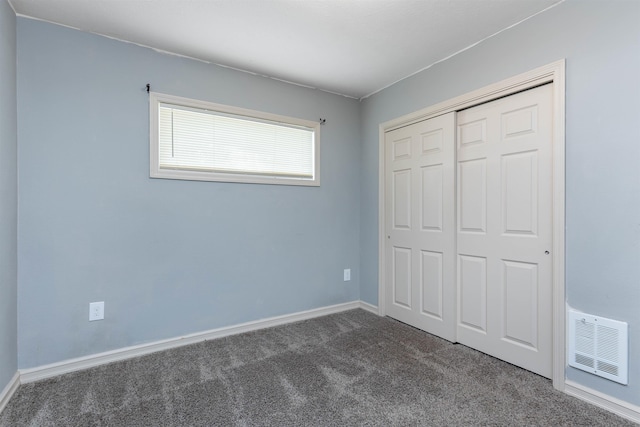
96, 311
347, 274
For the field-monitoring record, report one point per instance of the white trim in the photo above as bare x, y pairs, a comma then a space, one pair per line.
7, 392
382, 302
90, 361
369, 307
604, 401
559, 309
554, 72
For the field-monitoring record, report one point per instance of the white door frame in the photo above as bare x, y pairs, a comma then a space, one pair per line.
554, 72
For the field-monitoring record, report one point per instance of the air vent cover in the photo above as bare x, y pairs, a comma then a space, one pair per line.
599, 346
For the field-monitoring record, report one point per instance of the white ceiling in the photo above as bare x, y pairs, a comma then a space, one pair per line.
350, 47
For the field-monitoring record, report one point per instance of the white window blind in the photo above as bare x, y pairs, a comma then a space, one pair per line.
218, 143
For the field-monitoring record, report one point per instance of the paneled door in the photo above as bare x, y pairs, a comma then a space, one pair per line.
420, 225
504, 229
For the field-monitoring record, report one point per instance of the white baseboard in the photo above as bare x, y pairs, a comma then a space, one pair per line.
369, 307
604, 401
5, 395
85, 362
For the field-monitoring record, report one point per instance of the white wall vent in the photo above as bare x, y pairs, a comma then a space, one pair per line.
599, 346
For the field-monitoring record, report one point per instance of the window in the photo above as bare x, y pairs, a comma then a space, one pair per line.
197, 140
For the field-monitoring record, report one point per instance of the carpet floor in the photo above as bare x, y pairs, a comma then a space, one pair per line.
346, 369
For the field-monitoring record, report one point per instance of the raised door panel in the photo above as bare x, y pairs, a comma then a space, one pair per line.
432, 197
431, 281
519, 122
402, 277
401, 149
520, 193
402, 199
472, 133
520, 287
472, 277
432, 141
472, 207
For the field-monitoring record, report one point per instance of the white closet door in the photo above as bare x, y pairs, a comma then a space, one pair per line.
504, 223
420, 225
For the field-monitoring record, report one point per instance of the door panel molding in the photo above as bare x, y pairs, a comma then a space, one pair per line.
551, 73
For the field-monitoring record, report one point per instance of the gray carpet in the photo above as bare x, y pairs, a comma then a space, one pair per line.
347, 369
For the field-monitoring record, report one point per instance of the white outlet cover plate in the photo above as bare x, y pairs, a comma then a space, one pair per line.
347, 274
96, 311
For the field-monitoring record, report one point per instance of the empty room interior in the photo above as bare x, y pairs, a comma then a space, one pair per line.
455, 239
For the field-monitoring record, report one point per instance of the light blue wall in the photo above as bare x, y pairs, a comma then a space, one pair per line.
601, 43
8, 196
167, 257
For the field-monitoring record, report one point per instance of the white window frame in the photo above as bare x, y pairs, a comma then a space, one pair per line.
155, 99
